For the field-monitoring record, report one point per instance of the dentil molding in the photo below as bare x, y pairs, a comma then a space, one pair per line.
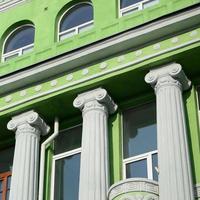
135, 185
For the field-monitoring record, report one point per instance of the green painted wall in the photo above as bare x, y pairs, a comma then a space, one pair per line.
44, 15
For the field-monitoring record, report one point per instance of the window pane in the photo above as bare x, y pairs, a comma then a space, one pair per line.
20, 38
8, 182
67, 172
155, 165
77, 15
68, 140
0, 196
6, 159
1, 185
137, 169
139, 130
7, 194
126, 3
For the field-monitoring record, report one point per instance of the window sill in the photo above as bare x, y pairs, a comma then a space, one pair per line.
134, 187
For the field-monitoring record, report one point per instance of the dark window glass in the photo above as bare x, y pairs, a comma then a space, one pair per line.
126, 3
0, 196
22, 37
8, 195
67, 178
137, 169
1, 186
139, 131
68, 140
77, 15
155, 165
6, 159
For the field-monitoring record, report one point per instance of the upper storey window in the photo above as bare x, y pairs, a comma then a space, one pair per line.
19, 42
75, 20
129, 6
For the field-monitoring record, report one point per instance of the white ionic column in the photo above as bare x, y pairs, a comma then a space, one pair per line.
28, 127
94, 177
175, 180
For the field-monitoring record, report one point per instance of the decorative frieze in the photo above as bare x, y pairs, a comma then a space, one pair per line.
28, 127
134, 185
94, 176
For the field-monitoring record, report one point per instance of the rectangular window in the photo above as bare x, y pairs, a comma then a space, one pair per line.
140, 143
66, 165
129, 6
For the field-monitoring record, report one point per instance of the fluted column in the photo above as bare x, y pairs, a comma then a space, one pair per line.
94, 178
28, 127
175, 180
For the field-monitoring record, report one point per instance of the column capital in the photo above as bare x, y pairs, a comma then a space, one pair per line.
94, 97
171, 74
31, 118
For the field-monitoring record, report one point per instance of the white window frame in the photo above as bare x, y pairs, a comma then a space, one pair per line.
18, 52
76, 29
145, 156
58, 157
134, 7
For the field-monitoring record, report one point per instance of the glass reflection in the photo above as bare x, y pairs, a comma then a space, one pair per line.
76, 16
67, 178
137, 169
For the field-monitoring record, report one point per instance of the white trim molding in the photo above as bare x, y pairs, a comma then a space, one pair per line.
134, 185
4, 5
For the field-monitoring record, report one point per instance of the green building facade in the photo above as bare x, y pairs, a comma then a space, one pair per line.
99, 100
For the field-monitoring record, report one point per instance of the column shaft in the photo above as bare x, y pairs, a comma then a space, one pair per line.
94, 157
175, 174
25, 167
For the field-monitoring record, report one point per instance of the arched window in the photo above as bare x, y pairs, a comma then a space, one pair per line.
75, 20
129, 6
19, 42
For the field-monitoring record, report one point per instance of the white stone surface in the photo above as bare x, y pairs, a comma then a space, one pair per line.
175, 180
94, 177
134, 186
28, 127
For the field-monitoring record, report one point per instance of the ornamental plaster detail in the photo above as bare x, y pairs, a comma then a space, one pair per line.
139, 197
171, 74
95, 99
28, 120
197, 191
134, 185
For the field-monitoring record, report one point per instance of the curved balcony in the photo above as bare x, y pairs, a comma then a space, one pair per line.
134, 189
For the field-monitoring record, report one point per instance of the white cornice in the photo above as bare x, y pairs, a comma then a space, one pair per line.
130, 39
